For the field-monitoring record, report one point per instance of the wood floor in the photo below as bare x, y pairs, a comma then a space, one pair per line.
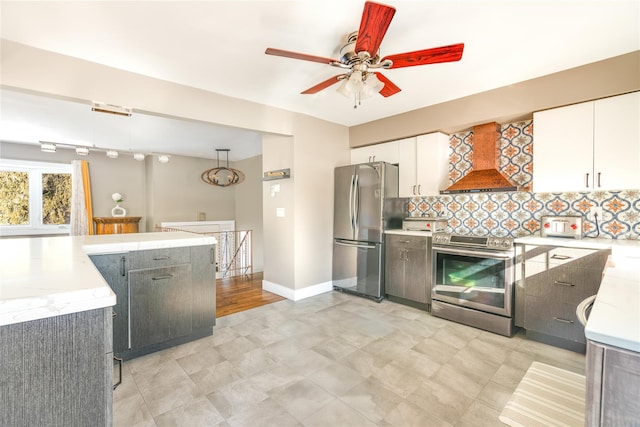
241, 293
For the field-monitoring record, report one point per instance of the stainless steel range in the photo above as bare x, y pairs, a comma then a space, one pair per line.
472, 281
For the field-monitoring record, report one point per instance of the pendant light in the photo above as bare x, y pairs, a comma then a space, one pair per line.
222, 176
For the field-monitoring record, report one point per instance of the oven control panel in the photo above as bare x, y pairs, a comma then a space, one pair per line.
500, 243
481, 242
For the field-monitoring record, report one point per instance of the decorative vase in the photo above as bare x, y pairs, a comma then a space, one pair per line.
118, 211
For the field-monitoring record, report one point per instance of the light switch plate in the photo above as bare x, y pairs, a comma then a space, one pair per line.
280, 212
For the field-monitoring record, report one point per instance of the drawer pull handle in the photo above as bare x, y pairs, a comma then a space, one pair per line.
404, 241
558, 282
560, 257
161, 258
166, 276
560, 319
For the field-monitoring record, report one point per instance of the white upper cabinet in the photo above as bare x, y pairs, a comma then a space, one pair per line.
385, 152
424, 165
616, 153
588, 146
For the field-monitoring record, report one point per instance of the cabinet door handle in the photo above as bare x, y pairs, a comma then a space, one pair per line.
213, 255
413, 190
599, 179
560, 319
401, 255
587, 180
558, 282
560, 257
122, 267
161, 258
166, 276
419, 189
119, 360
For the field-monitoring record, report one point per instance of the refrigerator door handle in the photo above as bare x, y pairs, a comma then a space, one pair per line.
354, 244
356, 202
351, 220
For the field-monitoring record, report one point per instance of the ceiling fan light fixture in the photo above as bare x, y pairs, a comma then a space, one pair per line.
372, 85
47, 147
342, 88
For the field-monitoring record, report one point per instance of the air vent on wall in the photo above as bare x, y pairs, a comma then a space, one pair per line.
118, 110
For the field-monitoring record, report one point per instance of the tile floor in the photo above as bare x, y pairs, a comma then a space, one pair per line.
332, 360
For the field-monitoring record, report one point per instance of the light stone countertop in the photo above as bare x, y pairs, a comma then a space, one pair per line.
615, 316
50, 276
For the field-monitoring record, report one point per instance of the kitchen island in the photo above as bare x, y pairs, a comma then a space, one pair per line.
56, 325
612, 333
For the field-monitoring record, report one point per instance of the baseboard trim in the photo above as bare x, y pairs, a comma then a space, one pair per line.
297, 294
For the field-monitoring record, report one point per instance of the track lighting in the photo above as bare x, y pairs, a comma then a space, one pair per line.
138, 156
163, 158
47, 147
112, 154
82, 151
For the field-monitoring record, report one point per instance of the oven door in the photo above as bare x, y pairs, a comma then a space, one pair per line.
472, 278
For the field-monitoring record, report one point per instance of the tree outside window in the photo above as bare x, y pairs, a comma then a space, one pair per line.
35, 198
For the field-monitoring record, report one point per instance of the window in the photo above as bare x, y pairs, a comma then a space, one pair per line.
35, 197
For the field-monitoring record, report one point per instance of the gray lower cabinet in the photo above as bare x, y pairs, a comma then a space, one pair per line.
57, 371
407, 271
613, 386
164, 297
160, 301
555, 280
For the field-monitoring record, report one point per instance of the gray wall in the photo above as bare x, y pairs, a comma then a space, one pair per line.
248, 213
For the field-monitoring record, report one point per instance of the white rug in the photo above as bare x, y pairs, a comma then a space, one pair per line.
546, 396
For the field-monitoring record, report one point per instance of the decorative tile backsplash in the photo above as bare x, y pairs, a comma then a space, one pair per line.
518, 213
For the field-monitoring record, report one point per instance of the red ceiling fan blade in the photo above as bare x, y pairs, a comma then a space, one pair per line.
325, 84
375, 20
389, 87
296, 55
428, 56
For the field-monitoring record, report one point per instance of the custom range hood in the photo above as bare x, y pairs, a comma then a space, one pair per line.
485, 175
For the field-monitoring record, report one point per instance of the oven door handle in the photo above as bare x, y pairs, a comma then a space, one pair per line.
474, 252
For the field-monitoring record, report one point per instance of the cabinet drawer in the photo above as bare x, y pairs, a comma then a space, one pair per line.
159, 258
409, 242
564, 284
553, 318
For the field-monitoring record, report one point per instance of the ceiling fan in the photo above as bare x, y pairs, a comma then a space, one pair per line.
361, 54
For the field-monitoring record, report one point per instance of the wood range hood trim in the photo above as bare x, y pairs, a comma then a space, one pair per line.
485, 175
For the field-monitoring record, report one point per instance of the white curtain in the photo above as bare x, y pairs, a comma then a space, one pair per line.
81, 215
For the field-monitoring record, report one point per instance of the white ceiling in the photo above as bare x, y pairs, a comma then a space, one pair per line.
219, 45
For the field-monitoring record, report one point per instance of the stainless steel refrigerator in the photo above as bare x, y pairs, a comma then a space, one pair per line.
365, 204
